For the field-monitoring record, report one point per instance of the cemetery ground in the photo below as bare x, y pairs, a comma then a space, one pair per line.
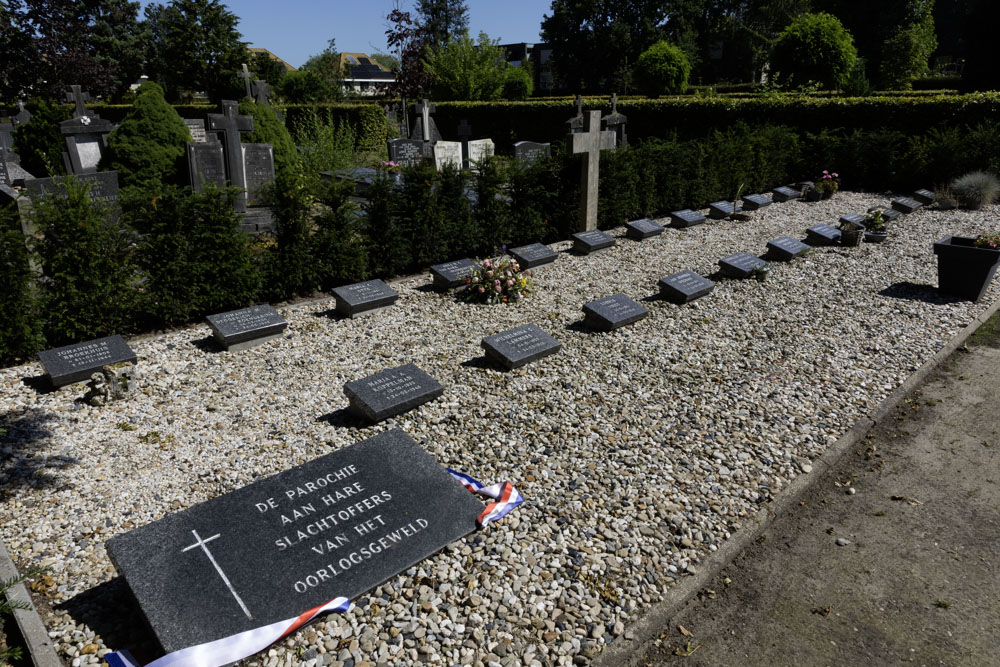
901, 571
639, 451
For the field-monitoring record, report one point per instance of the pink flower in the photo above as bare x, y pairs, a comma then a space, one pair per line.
510, 283
489, 274
481, 289
487, 263
498, 289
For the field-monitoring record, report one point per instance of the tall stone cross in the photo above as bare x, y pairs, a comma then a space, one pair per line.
425, 111
246, 75
230, 123
615, 122
464, 132
75, 94
575, 123
590, 142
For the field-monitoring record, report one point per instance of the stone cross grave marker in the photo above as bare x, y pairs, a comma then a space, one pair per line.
822, 235
246, 75
615, 122
247, 327
686, 218
590, 143
77, 96
785, 248
642, 229
684, 286
391, 392
425, 129
519, 346
530, 151
85, 134
364, 298
452, 274
231, 124
612, 312
74, 363
206, 164
591, 241
336, 526
575, 124
464, 132
740, 265
261, 93
533, 255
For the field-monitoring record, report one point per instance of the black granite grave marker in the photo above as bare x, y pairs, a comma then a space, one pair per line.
740, 265
719, 210
785, 248
684, 286
686, 218
258, 167
591, 241
391, 392
906, 205
452, 274
103, 186
785, 193
336, 526
364, 298
890, 214
612, 312
245, 328
206, 164
530, 151
532, 255
519, 346
925, 197
642, 229
75, 363
754, 202
822, 235
855, 219
406, 152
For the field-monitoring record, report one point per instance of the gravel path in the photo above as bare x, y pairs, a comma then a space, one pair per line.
637, 451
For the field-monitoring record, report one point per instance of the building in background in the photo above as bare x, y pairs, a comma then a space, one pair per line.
364, 75
540, 58
254, 50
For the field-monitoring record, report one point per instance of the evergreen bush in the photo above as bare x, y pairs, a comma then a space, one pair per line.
267, 129
289, 268
20, 324
39, 142
662, 69
518, 83
813, 47
339, 245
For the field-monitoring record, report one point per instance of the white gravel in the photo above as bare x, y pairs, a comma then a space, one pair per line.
638, 451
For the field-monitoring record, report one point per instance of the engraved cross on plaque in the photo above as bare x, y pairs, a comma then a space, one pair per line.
204, 547
590, 142
230, 123
74, 94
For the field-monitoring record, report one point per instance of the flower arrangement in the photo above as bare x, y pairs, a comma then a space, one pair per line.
987, 240
875, 221
828, 183
390, 167
498, 280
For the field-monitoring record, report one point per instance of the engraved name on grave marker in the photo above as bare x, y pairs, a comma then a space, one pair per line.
519, 346
684, 286
642, 229
391, 392
532, 255
74, 363
244, 328
612, 312
364, 298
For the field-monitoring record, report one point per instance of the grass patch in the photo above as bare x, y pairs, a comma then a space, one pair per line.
989, 333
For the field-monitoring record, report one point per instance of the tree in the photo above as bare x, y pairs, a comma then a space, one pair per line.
386, 60
442, 20
906, 54
813, 48
40, 143
519, 82
117, 41
194, 46
303, 87
326, 66
661, 69
267, 69
405, 37
464, 70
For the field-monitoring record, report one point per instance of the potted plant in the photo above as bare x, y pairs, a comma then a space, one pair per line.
966, 265
498, 280
825, 187
875, 227
851, 233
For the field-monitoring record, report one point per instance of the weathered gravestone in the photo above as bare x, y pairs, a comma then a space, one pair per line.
530, 151
103, 186
532, 255
7, 153
719, 210
519, 346
336, 526
230, 123
479, 150
785, 248
612, 312
785, 193
196, 126
364, 298
686, 218
206, 164
754, 202
246, 75
591, 141
615, 122
452, 274
822, 235
85, 134
592, 241
906, 205
642, 229
258, 165
247, 327
854, 219
74, 363
405, 152
740, 265
4, 174
261, 93
684, 286
447, 153
925, 197
391, 392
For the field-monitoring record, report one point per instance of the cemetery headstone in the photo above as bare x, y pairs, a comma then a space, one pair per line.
719, 210
103, 186
686, 218
391, 392
684, 286
206, 164
592, 241
575, 124
785, 193
530, 151
196, 126
246, 75
642, 229
338, 525
925, 197
74, 363
452, 274
464, 131
23, 115
822, 235
479, 150
424, 128
591, 141
258, 166
230, 123
612, 312
533, 255
447, 153
855, 219
247, 327
519, 346
785, 248
615, 122
405, 152
740, 265
85, 134
5, 179
261, 93
364, 298
7, 153
906, 205
754, 202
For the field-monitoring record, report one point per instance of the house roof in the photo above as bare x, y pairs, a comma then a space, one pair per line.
362, 67
255, 50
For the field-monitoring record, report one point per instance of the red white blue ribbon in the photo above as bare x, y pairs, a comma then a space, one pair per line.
504, 493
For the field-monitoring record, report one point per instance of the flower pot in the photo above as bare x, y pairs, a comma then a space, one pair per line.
851, 237
813, 195
964, 270
875, 237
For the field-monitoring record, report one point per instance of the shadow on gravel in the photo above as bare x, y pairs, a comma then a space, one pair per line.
42, 384
916, 292
111, 612
580, 327
207, 344
21, 465
481, 362
343, 418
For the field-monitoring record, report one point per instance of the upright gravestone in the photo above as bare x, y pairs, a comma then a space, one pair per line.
479, 150
464, 132
405, 152
590, 142
615, 122
85, 134
74, 363
206, 164
102, 186
424, 128
246, 75
336, 526
196, 126
247, 327
391, 392
612, 312
684, 286
447, 153
7, 153
258, 166
23, 115
533, 255
519, 346
530, 151
261, 93
230, 123
4, 175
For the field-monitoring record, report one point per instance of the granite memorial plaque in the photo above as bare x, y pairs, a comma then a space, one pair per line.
890, 214
391, 392
452, 274
854, 219
196, 126
822, 235
612, 312
247, 327
74, 363
684, 286
642, 229
785, 193
519, 346
740, 265
592, 241
529, 151
754, 202
206, 165
258, 165
336, 526
906, 205
785, 248
364, 298
103, 186
535, 254
405, 152
925, 197
719, 210
448, 153
686, 218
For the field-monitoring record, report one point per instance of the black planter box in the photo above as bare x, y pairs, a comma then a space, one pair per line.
964, 270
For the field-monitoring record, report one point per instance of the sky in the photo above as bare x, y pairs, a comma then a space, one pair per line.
296, 29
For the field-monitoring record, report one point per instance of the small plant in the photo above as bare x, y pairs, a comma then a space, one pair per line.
828, 183
942, 604
759, 273
498, 280
390, 167
875, 221
975, 189
988, 240
945, 199
7, 607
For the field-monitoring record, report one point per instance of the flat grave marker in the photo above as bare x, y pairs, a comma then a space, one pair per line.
785, 193
75, 363
247, 327
906, 205
856, 219
591, 241
533, 255
925, 197
785, 248
391, 392
719, 210
754, 202
740, 265
642, 229
452, 274
684, 286
822, 235
338, 525
519, 346
364, 298
686, 218
891, 214
612, 312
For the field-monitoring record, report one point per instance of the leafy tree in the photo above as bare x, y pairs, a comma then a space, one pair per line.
464, 70
442, 20
662, 68
18, 52
326, 66
303, 87
813, 48
267, 69
519, 82
117, 40
40, 143
194, 46
906, 54
386, 60
405, 38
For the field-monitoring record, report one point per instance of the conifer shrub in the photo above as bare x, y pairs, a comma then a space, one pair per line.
289, 267
491, 215
338, 244
20, 325
267, 129
148, 146
662, 69
39, 141
534, 194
